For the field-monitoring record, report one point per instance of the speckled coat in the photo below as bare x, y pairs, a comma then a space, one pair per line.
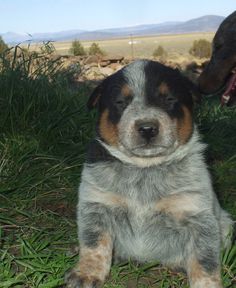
145, 192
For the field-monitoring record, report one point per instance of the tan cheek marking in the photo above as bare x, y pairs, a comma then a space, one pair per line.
180, 205
108, 130
163, 88
200, 278
185, 126
95, 262
125, 90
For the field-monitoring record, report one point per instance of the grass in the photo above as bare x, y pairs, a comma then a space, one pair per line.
44, 129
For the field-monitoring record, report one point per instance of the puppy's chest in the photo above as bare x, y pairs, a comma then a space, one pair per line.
133, 195
141, 185
139, 226
144, 205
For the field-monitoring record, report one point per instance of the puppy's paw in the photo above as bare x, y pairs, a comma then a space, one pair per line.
73, 279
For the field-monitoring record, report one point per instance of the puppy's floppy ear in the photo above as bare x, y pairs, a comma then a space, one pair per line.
196, 95
95, 97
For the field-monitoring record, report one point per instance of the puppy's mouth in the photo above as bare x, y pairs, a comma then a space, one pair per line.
149, 150
229, 96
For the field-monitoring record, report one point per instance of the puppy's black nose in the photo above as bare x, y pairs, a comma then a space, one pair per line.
148, 130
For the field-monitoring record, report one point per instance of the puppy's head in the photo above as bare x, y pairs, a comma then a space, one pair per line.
145, 111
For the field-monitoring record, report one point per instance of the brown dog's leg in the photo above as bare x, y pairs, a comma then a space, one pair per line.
93, 267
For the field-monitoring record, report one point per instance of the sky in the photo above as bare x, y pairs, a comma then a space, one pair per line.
33, 16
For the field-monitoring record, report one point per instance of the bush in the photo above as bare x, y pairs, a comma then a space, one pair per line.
3, 45
159, 52
77, 48
94, 49
201, 48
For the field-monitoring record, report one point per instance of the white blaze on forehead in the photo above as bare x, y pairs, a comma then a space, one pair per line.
134, 74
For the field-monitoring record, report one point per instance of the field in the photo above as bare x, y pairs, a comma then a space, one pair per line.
44, 130
175, 45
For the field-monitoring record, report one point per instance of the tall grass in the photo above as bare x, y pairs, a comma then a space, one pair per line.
218, 125
35, 97
43, 123
44, 128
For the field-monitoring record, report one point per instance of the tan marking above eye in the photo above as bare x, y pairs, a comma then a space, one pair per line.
185, 126
163, 88
108, 130
126, 90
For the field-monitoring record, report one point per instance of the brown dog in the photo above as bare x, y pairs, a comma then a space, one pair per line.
221, 69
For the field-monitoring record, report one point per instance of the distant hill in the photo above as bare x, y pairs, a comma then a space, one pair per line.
202, 24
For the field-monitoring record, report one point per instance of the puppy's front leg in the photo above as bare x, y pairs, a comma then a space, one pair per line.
95, 249
203, 260
200, 278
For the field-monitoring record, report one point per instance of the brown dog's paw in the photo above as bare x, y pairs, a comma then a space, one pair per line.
73, 279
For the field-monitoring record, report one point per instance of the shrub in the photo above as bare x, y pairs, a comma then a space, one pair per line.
77, 48
201, 48
3, 45
159, 52
94, 49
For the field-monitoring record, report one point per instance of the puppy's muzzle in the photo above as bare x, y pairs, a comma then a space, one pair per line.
147, 130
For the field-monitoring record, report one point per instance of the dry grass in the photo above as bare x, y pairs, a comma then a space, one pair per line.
144, 46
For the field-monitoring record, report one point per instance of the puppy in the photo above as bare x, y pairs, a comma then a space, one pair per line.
145, 192
222, 66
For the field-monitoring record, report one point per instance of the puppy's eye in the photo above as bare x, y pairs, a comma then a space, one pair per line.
119, 102
123, 100
171, 100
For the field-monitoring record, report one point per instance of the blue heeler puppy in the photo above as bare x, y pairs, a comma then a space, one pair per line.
145, 192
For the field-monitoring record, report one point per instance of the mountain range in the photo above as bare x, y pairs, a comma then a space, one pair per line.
205, 23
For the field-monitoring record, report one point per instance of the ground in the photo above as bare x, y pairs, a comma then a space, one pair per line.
45, 128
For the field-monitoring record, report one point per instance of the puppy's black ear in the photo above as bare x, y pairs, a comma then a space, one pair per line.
196, 95
192, 82
94, 98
